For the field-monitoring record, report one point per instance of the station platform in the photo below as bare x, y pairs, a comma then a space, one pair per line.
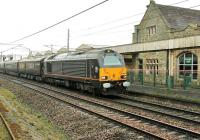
189, 94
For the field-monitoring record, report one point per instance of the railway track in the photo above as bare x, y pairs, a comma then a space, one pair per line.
181, 114
10, 135
160, 97
178, 113
148, 126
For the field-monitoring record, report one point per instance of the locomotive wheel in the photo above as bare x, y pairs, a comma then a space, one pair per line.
94, 92
97, 92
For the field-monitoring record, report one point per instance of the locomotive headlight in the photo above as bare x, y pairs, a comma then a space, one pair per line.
123, 76
126, 84
104, 77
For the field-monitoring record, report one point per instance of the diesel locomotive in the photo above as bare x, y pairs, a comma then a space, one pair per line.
97, 71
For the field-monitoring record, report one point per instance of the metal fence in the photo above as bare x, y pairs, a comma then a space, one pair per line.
160, 78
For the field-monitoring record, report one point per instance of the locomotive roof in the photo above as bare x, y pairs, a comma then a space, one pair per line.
33, 59
10, 61
92, 54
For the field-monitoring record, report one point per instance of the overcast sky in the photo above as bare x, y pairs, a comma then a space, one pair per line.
111, 23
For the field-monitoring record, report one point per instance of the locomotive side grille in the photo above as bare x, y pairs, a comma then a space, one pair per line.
56, 67
74, 68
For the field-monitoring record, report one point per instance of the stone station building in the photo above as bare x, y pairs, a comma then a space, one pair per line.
165, 47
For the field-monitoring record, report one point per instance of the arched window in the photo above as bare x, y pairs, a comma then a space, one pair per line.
188, 65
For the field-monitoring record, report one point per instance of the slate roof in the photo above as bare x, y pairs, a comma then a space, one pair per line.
179, 18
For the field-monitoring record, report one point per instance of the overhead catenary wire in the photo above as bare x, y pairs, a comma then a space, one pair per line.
109, 22
195, 6
9, 44
123, 18
99, 33
9, 49
104, 30
77, 15
119, 26
100, 30
42, 30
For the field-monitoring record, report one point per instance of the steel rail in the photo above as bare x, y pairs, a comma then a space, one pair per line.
7, 127
159, 112
190, 132
180, 129
87, 110
167, 98
158, 105
96, 113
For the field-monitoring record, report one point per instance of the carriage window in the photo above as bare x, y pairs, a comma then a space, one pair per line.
111, 60
188, 65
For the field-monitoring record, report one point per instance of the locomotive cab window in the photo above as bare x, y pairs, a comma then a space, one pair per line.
111, 60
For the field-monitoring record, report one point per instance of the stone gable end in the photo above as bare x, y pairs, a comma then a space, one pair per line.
152, 17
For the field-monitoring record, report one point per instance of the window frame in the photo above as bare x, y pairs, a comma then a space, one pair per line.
184, 64
151, 30
111, 62
151, 66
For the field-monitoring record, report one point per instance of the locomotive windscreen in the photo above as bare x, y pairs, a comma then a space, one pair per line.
112, 60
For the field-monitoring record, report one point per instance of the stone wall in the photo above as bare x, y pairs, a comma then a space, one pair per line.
152, 17
162, 73
148, 73
177, 40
